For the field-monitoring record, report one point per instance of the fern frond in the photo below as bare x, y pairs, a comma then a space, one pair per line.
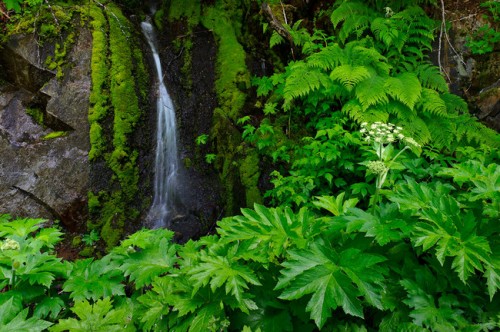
432, 103
454, 103
404, 87
327, 58
431, 77
349, 75
356, 17
387, 33
354, 110
475, 132
302, 81
367, 56
375, 114
442, 131
371, 91
400, 110
275, 39
415, 51
416, 128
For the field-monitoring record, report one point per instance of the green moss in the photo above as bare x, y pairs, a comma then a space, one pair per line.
37, 115
233, 77
93, 202
158, 18
99, 94
187, 9
55, 134
249, 175
232, 71
76, 241
188, 163
119, 82
87, 252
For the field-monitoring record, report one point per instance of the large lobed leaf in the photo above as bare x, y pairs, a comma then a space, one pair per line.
334, 279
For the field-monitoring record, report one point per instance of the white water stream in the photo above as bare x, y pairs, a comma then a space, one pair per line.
166, 162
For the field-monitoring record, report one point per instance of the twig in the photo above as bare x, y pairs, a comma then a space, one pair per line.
286, 22
283, 9
54, 16
4, 13
443, 31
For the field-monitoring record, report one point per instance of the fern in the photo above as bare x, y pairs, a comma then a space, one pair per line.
275, 39
454, 103
355, 18
327, 58
404, 87
431, 78
432, 103
385, 31
371, 91
349, 75
302, 81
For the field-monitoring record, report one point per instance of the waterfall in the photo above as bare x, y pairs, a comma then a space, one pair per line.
166, 162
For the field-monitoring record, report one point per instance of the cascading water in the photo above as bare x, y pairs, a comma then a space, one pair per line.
166, 163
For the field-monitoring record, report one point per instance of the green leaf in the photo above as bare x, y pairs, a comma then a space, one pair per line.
336, 205
221, 271
20, 227
13, 5
387, 226
94, 279
333, 280
205, 317
371, 91
49, 307
492, 276
22, 323
144, 265
267, 233
470, 255
9, 309
99, 316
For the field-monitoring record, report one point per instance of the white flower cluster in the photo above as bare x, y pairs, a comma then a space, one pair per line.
379, 132
10, 244
385, 133
377, 167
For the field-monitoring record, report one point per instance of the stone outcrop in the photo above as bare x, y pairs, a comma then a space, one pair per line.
43, 174
475, 77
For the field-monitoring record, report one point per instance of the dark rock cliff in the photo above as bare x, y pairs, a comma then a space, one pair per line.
44, 174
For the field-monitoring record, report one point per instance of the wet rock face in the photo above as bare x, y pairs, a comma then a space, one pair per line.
42, 176
200, 195
474, 77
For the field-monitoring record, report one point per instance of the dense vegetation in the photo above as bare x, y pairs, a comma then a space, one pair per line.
383, 212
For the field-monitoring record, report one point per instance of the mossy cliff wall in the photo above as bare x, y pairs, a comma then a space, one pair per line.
190, 26
118, 107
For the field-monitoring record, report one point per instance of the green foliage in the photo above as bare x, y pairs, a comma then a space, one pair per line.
90, 238
202, 139
17, 5
99, 316
12, 319
484, 39
423, 258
